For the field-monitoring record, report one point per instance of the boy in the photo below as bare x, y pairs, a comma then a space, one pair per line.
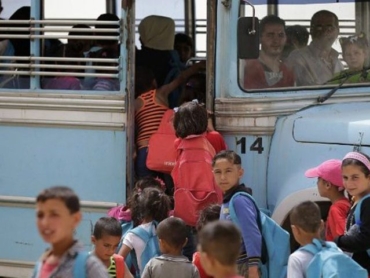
106, 237
219, 247
227, 171
58, 215
306, 223
330, 185
172, 235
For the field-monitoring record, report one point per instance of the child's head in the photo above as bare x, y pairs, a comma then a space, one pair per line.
184, 46
152, 204
144, 80
106, 237
58, 214
355, 51
195, 88
227, 169
305, 220
172, 234
207, 215
329, 177
190, 119
356, 174
219, 246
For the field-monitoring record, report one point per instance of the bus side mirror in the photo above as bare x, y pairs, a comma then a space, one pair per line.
248, 38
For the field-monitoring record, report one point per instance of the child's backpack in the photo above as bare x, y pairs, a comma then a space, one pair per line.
79, 267
330, 262
151, 249
275, 242
195, 186
357, 214
161, 148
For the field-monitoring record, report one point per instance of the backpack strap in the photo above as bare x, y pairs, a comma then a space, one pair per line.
120, 265
79, 268
358, 210
314, 247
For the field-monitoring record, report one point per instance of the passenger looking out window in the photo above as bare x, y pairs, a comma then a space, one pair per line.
268, 71
184, 46
355, 51
296, 38
318, 62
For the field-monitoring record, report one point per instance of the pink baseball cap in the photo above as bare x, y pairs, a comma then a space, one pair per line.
329, 170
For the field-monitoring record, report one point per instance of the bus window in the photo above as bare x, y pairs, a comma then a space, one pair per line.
307, 52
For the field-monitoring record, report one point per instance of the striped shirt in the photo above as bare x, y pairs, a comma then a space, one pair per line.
112, 268
148, 117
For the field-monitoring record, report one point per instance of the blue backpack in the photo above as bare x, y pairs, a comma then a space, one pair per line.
79, 267
151, 249
330, 262
275, 242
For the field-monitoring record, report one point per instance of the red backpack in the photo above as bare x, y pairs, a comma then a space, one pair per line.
195, 186
161, 149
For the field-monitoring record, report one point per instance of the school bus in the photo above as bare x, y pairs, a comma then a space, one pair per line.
84, 139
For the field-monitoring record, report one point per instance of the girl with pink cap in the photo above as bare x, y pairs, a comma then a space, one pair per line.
330, 185
356, 180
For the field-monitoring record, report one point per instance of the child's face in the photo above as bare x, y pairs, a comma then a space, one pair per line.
354, 57
227, 174
105, 246
56, 224
355, 181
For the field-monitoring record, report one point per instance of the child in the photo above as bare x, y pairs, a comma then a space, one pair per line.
228, 172
172, 236
58, 215
355, 53
107, 83
106, 237
306, 223
356, 180
219, 248
153, 206
150, 105
184, 46
330, 185
207, 215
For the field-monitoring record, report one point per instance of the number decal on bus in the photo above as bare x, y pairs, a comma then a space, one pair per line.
256, 146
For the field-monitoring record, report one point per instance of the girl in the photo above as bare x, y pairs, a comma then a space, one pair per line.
355, 53
356, 180
207, 215
152, 206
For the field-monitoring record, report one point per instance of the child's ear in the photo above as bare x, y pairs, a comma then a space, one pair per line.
77, 217
93, 240
322, 225
186, 241
241, 172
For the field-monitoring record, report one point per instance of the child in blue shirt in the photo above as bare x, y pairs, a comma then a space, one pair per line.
228, 172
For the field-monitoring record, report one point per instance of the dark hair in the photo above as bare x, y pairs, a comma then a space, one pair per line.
355, 162
231, 156
79, 33
107, 17
107, 226
173, 230
195, 88
190, 119
222, 241
207, 215
151, 204
63, 193
306, 216
271, 19
144, 78
324, 13
185, 39
298, 33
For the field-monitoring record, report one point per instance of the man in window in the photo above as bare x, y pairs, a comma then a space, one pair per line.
317, 63
268, 71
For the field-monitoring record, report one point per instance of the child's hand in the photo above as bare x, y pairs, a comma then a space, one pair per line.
253, 272
201, 65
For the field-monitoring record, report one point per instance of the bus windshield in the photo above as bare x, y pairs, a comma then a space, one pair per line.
308, 46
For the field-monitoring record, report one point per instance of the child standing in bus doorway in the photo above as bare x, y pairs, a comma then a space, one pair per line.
106, 237
356, 180
355, 51
58, 215
330, 185
228, 171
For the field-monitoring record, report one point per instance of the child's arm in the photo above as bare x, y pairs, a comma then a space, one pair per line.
251, 234
336, 221
360, 240
295, 268
166, 89
127, 272
124, 251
